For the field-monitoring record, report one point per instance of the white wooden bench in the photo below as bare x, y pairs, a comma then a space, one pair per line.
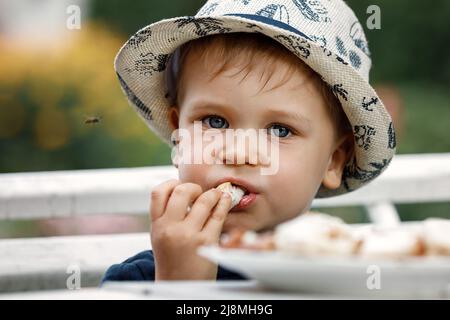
45, 263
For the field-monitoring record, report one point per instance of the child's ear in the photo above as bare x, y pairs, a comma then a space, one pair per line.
336, 165
174, 118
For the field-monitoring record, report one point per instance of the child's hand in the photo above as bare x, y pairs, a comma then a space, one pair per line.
176, 233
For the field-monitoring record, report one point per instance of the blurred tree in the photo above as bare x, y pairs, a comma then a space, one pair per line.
413, 42
128, 17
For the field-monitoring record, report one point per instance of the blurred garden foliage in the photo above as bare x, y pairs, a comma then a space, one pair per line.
412, 44
46, 95
45, 98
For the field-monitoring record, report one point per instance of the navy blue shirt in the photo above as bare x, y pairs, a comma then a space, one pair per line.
141, 267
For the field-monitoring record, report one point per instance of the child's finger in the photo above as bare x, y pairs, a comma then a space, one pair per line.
182, 196
202, 208
213, 227
159, 197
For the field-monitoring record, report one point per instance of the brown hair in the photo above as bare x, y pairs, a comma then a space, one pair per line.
220, 52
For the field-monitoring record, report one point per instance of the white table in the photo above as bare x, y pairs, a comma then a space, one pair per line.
173, 290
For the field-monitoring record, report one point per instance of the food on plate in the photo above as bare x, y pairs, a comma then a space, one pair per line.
235, 192
315, 234
319, 234
391, 243
436, 234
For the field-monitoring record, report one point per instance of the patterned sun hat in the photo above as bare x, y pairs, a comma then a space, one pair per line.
325, 34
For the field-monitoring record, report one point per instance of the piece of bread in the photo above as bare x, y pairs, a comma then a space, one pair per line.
235, 192
315, 234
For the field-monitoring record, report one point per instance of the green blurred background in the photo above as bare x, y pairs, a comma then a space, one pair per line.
48, 89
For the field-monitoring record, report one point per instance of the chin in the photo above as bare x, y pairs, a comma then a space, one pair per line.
240, 220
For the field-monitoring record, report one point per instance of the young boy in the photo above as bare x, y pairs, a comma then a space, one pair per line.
297, 69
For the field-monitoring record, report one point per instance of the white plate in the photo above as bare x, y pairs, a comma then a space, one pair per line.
348, 276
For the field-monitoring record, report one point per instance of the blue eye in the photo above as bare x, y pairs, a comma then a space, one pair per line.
279, 130
215, 122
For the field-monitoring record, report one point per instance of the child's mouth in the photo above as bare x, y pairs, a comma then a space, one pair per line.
247, 200
241, 197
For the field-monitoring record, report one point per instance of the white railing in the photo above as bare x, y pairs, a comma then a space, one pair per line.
27, 264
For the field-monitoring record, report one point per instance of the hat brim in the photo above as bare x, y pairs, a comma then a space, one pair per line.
141, 62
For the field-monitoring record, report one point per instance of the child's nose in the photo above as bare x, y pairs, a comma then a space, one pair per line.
244, 154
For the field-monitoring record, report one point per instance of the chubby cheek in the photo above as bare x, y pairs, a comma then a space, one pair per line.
192, 168
290, 194
294, 185
193, 173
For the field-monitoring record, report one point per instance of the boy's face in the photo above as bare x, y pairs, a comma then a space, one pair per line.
309, 152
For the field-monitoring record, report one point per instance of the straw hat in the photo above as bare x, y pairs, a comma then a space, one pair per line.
325, 34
